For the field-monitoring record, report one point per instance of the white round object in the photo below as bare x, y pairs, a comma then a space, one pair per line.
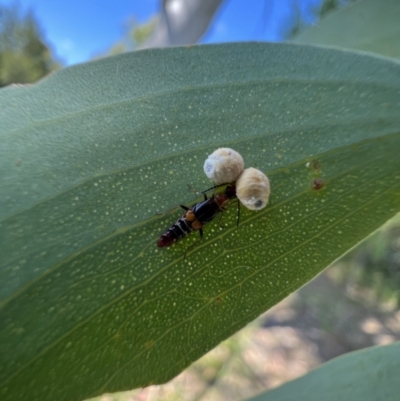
253, 189
224, 165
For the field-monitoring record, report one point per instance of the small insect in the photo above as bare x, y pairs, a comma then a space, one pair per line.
197, 216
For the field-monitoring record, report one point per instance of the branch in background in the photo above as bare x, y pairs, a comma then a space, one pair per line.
182, 22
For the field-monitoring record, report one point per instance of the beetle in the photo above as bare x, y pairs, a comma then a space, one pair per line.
197, 216
251, 188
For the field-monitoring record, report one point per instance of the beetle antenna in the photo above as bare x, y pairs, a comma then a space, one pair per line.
216, 186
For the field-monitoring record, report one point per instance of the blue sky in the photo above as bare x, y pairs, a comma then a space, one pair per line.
79, 30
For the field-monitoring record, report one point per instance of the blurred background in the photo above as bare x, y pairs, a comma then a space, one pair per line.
39, 36
352, 305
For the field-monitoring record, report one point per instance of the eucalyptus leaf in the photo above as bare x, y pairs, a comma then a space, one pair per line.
370, 25
91, 155
368, 375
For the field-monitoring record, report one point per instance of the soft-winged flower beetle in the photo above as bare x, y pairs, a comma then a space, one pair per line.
251, 189
197, 216
225, 167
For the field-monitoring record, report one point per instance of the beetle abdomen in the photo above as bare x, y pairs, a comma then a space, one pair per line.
177, 231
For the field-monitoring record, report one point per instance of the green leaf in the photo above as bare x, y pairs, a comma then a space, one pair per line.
368, 375
89, 157
370, 25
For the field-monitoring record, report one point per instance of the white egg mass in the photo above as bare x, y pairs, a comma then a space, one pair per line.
224, 166
253, 189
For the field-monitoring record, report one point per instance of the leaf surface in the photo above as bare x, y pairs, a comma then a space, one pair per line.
370, 25
89, 156
368, 375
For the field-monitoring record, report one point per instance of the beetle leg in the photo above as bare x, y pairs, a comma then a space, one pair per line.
219, 221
